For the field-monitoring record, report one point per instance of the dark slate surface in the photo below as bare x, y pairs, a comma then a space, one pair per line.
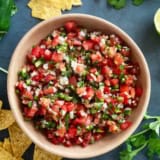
136, 21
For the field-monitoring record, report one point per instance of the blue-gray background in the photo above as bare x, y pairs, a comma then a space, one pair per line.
136, 21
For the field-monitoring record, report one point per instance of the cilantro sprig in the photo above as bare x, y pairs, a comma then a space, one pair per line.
148, 138
118, 4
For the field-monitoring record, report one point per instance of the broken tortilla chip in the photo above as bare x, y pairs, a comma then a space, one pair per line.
1, 104
40, 154
7, 145
19, 141
45, 9
4, 155
6, 119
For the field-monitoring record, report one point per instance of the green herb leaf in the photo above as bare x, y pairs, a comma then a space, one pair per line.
137, 2
155, 126
153, 147
117, 4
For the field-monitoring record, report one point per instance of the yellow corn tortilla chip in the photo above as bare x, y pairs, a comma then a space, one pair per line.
40, 154
1, 144
6, 119
19, 141
45, 9
76, 2
1, 103
4, 155
45, 13
7, 145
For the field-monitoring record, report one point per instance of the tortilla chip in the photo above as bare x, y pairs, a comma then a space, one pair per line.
45, 9
1, 144
19, 141
45, 13
6, 119
1, 104
40, 154
7, 145
76, 2
4, 155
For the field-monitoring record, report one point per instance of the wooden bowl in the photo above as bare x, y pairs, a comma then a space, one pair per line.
18, 59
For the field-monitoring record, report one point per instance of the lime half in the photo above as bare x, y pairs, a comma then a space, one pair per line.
157, 21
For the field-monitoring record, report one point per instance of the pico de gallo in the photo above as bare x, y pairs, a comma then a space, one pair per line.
79, 85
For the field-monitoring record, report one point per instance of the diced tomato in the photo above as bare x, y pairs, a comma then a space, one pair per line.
55, 41
73, 80
139, 91
106, 71
37, 77
48, 90
89, 93
126, 52
80, 121
96, 57
71, 35
125, 125
72, 132
37, 51
70, 26
124, 88
49, 78
68, 106
118, 59
77, 42
56, 108
20, 86
99, 94
106, 89
30, 112
88, 44
96, 39
47, 55
114, 81
27, 95
57, 57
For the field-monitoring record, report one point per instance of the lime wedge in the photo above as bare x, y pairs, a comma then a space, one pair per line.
157, 21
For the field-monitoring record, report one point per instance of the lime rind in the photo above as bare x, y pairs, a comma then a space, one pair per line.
157, 21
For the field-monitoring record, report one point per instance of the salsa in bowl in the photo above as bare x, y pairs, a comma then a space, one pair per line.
78, 84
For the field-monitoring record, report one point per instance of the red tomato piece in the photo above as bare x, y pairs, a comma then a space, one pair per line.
73, 80
89, 93
47, 55
114, 81
139, 91
125, 125
48, 90
37, 51
70, 26
88, 44
27, 95
55, 41
118, 59
57, 57
72, 132
30, 112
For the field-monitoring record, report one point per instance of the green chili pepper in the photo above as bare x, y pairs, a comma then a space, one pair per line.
7, 9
